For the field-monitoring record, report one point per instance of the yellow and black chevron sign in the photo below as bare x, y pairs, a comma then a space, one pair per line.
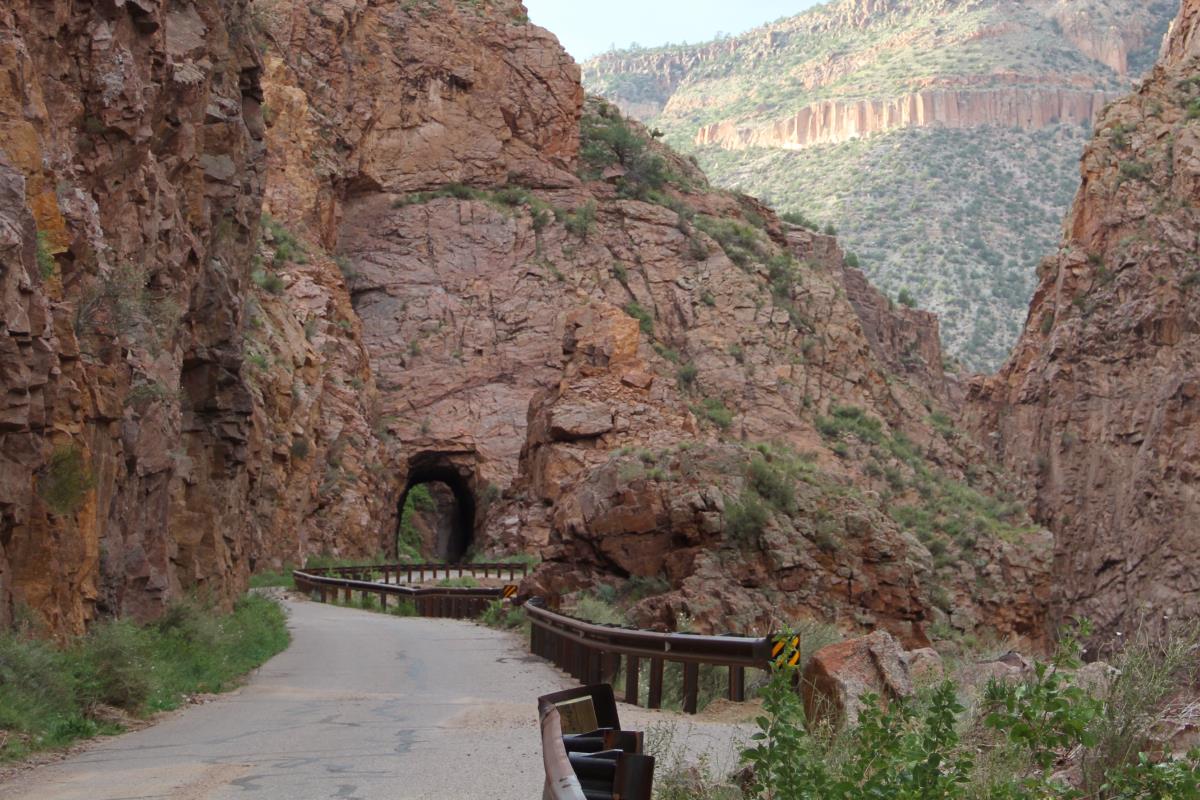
510, 591
785, 652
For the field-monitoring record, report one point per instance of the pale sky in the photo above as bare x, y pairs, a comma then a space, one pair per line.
589, 27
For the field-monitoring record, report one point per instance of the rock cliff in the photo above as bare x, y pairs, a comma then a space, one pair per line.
1097, 407
149, 446
833, 121
263, 277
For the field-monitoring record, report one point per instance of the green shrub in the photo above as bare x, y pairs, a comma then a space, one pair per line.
65, 481
47, 693
687, 375
581, 220
268, 281
1134, 171
915, 749
715, 411
906, 299
773, 484
503, 616
852, 420
645, 318
606, 139
45, 259
745, 518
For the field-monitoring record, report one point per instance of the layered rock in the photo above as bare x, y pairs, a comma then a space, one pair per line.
1097, 406
834, 121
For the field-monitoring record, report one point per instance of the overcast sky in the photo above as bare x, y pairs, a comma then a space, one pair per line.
589, 27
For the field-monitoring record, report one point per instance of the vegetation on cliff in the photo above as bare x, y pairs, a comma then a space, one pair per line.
52, 694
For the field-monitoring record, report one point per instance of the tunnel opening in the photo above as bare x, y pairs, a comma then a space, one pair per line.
437, 513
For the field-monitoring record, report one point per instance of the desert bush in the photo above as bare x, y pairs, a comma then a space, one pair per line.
1011, 747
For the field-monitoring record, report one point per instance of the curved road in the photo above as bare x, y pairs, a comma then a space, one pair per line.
361, 706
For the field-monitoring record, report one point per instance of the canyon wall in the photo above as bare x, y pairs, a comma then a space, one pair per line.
150, 448
260, 278
834, 121
1098, 405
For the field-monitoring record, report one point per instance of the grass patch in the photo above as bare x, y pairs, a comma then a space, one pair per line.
53, 695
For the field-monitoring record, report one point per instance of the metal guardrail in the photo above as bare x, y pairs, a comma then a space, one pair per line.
593, 653
390, 573
590, 652
434, 601
605, 763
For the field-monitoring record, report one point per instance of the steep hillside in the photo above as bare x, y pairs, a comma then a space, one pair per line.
971, 93
1099, 405
553, 302
402, 251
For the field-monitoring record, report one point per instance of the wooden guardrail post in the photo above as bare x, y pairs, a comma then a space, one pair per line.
654, 700
737, 684
632, 670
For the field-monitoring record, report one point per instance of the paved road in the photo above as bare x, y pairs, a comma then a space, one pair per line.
362, 706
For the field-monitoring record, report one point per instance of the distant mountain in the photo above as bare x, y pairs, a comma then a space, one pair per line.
940, 137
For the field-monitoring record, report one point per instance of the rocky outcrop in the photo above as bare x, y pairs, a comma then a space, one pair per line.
834, 121
1097, 406
906, 340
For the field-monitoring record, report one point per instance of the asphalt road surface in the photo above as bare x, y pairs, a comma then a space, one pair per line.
361, 706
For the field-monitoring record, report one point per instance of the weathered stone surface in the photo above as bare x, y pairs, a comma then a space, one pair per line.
1098, 406
838, 677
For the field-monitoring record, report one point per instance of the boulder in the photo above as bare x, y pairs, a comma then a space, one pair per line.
840, 675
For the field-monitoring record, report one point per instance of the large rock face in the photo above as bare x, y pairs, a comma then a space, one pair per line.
1098, 405
154, 441
464, 275
131, 143
834, 121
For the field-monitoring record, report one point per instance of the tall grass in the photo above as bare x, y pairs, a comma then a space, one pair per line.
51, 695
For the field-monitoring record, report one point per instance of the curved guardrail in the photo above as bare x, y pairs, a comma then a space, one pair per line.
433, 601
593, 653
391, 573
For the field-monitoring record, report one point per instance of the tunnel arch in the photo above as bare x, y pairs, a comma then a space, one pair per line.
457, 473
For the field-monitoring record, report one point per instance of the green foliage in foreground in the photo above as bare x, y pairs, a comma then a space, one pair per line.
1009, 748
52, 695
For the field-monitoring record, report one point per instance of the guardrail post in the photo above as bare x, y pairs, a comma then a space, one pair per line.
409, 578
383, 601
691, 687
324, 599
737, 684
656, 681
347, 594
632, 668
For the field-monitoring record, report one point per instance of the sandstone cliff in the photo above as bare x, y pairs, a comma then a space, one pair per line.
1098, 405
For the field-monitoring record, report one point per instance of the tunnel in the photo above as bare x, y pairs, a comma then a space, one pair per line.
447, 506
